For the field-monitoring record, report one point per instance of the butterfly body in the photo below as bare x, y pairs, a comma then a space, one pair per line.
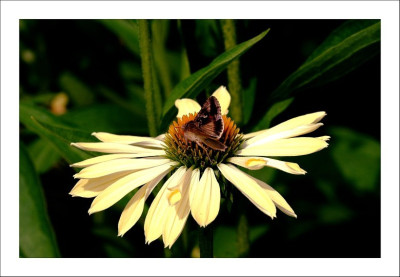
207, 127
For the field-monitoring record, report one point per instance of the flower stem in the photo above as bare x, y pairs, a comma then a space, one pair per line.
206, 242
234, 83
243, 236
145, 53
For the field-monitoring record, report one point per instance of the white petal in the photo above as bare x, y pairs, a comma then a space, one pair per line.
123, 186
110, 147
255, 163
311, 118
89, 188
186, 106
123, 139
285, 147
119, 165
249, 188
279, 201
205, 198
156, 216
109, 157
224, 99
134, 209
178, 213
267, 137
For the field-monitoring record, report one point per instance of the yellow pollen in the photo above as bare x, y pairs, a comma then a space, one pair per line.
255, 162
174, 197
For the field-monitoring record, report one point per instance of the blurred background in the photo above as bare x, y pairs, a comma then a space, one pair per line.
81, 76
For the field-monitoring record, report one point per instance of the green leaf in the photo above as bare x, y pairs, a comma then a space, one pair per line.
272, 112
43, 155
55, 131
107, 118
347, 49
192, 86
136, 103
80, 93
341, 33
357, 156
36, 236
125, 30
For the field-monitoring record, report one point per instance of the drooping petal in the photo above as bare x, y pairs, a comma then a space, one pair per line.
109, 157
156, 216
119, 165
279, 201
255, 163
249, 188
178, 213
123, 186
111, 147
186, 106
224, 99
89, 188
123, 139
285, 147
267, 137
293, 123
134, 209
204, 197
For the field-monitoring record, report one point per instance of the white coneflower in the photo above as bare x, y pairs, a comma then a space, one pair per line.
193, 187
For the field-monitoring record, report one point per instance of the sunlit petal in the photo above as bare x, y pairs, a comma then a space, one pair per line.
224, 99
205, 198
186, 106
111, 147
279, 201
89, 188
249, 188
156, 216
134, 209
178, 213
119, 165
267, 137
285, 147
293, 123
255, 163
126, 184
123, 139
109, 157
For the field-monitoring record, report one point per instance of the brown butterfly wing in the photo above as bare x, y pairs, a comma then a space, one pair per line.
209, 119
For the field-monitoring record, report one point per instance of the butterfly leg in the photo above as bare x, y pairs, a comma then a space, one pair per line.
205, 149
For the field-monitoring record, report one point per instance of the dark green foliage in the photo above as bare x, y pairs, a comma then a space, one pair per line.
288, 68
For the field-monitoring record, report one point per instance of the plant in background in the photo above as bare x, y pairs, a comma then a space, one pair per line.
186, 170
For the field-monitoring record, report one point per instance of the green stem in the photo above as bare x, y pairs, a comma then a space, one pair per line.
243, 236
234, 83
145, 53
206, 242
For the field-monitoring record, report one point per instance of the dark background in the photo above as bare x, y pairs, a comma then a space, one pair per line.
337, 202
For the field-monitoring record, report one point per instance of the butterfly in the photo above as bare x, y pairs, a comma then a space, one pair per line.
207, 127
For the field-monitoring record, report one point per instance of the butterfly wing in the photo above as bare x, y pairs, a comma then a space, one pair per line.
209, 119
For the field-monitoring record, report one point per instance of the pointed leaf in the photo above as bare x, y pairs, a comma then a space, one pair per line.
43, 155
55, 131
125, 30
36, 236
192, 86
340, 54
